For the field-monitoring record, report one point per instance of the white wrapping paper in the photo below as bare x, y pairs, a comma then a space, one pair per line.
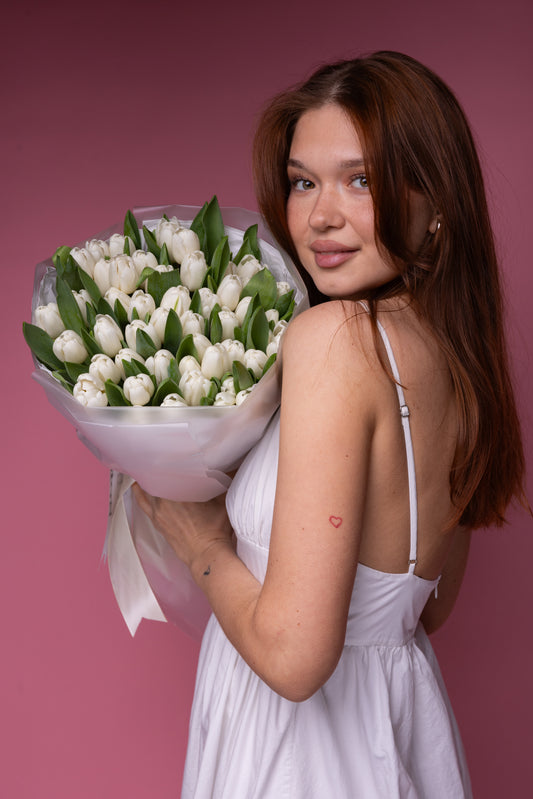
176, 453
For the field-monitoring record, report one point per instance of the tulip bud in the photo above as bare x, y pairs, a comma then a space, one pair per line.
235, 350
272, 315
224, 399
122, 273
201, 343
164, 230
193, 270
228, 385
283, 288
178, 298
84, 259
101, 275
229, 322
280, 327
242, 395
183, 242
229, 291
143, 303
192, 323
194, 386
98, 248
124, 299
142, 259
69, 346
90, 392
173, 401
215, 361
126, 354
255, 360
131, 333
47, 318
116, 244
188, 364
138, 389
208, 300
103, 368
247, 268
82, 297
158, 365
159, 320
108, 335
242, 307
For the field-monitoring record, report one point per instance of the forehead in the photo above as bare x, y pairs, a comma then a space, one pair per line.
327, 129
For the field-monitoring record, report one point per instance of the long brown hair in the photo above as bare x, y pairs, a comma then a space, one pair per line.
415, 136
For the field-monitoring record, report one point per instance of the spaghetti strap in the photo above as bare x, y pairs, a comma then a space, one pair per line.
411, 473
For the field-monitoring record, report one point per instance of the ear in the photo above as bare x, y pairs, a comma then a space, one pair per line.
434, 225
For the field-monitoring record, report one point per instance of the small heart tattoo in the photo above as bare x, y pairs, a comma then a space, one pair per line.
336, 521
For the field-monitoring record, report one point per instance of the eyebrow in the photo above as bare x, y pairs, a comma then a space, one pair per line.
355, 163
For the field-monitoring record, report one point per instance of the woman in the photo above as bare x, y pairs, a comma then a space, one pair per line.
397, 435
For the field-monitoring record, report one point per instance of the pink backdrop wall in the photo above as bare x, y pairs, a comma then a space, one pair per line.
108, 106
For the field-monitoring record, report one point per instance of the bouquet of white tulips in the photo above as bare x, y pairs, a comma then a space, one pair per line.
158, 340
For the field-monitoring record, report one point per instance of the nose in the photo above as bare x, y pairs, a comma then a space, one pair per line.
326, 212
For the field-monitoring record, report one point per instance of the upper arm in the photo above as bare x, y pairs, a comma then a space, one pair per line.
439, 607
325, 439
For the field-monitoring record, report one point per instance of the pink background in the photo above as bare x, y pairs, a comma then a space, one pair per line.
109, 106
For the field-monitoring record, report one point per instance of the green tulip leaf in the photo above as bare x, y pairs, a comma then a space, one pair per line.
269, 363
264, 284
164, 257
249, 246
173, 332
59, 259
90, 286
258, 330
151, 242
160, 282
167, 386
132, 367
104, 308
283, 303
241, 377
90, 343
210, 282
198, 226
289, 312
68, 307
115, 395
61, 378
206, 401
131, 229
41, 344
220, 261
91, 315
74, 370
187, 348
196, 302
134, 314
253, 305
144, 344
173, 371
237, 335
121, 315
215, 325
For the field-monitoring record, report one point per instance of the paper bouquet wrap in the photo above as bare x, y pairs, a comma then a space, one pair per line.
179, 453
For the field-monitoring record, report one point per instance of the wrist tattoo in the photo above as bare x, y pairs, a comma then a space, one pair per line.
207, 571
336, 521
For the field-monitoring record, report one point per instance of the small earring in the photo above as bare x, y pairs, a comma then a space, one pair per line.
434, 225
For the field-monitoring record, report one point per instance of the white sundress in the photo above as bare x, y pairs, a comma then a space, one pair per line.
381, 727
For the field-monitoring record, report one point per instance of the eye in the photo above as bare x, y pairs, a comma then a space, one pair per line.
360, 182
301, 184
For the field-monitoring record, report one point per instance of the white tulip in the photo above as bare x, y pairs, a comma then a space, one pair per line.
193, 270
101, 275
173, 401
242, 395
255, 360
229, 322
283, 288
143, 303
84, 259
178, 298
159, 320
164, 230
247, 268
108, 335
123, 273
97, 248
69, 346
124, 299
280, 327
158, 364
208, 300
242, 307
183, 241
228, 386
116, 244
130, 333
273, 346
82, 297
215, 361
48, 319
90, 392
188, 364
194, 386
139, 389
235, 350
126, 354
142, 259
201, 343
103, 368
272, 315
224, 399
192, 323
229, 291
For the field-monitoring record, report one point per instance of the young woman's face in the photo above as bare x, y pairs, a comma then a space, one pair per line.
329, 210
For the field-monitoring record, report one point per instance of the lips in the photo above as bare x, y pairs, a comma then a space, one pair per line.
329, 254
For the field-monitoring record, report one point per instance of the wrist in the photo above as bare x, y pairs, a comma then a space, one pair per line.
205, 563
